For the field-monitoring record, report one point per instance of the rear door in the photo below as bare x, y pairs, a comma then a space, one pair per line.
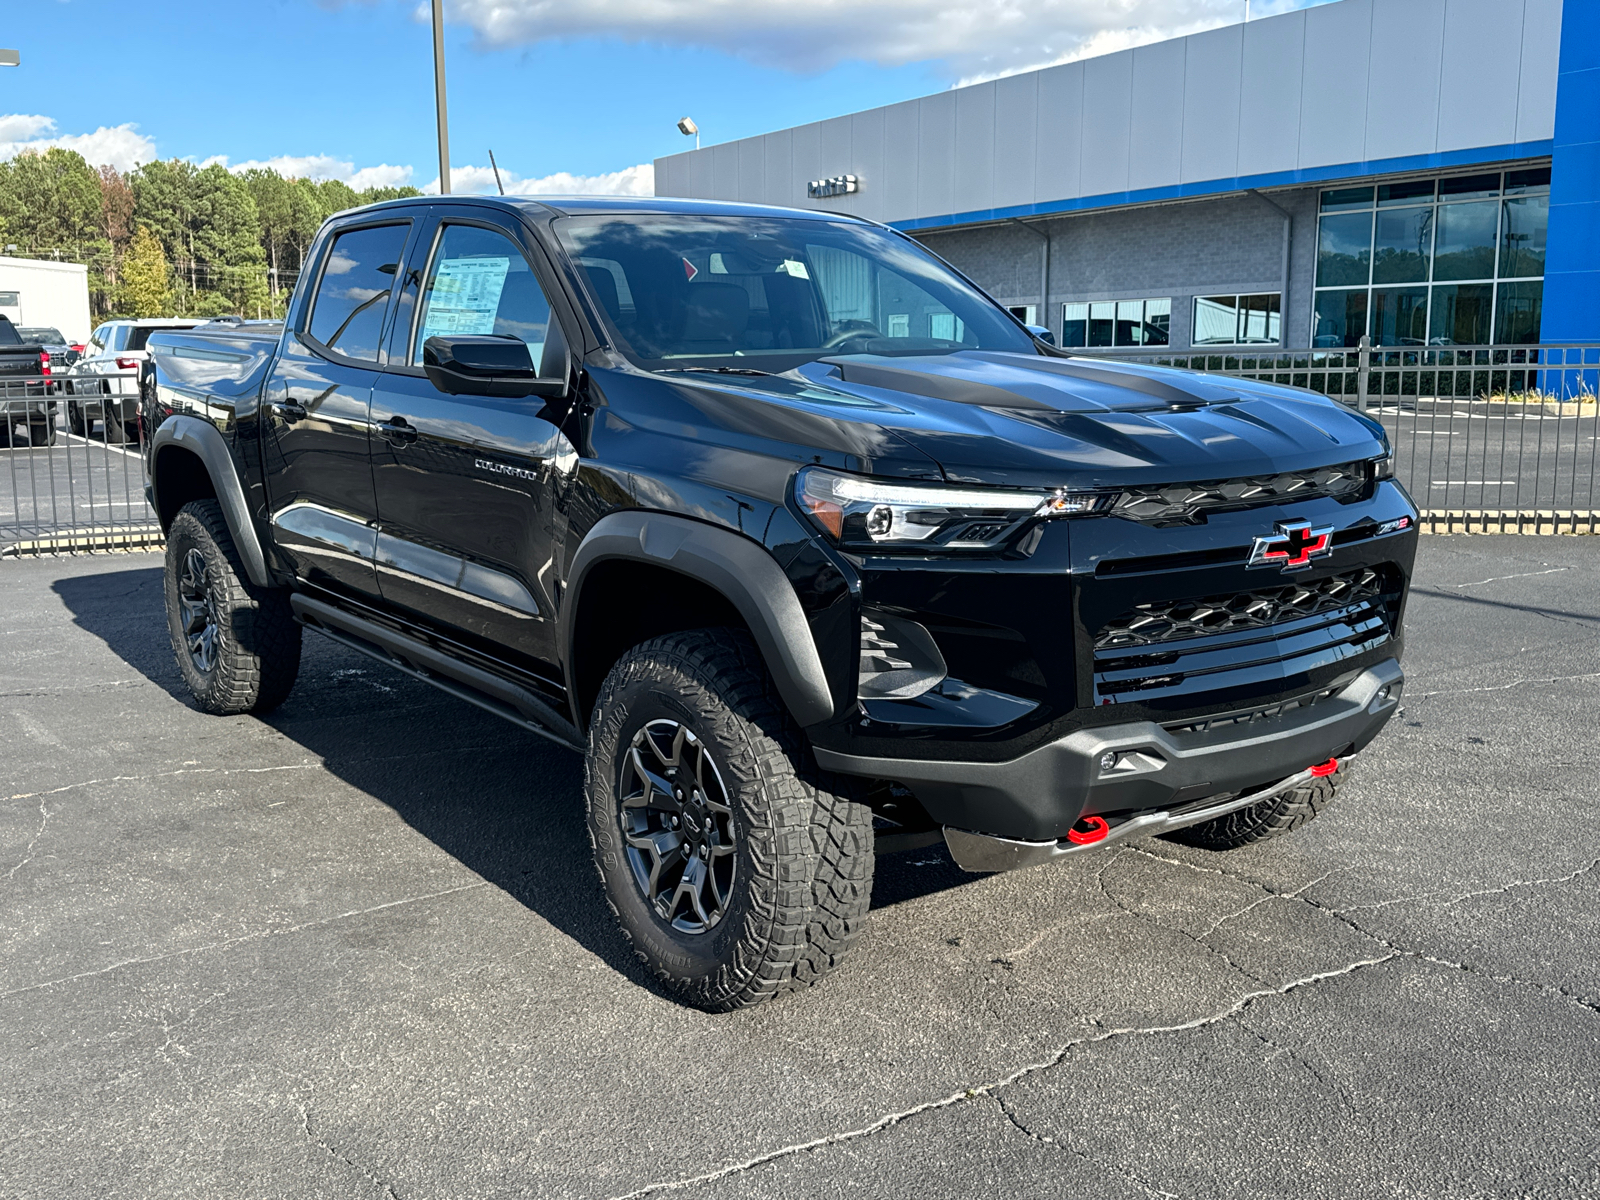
314, 429
466, 528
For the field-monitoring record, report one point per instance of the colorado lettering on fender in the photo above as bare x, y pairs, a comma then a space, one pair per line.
483, 464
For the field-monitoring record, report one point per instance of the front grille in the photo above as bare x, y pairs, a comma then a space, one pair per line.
1186, 503
1173, 620
1252, 715
1261, 641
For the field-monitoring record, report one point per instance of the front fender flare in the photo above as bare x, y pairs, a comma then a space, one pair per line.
734, 565
203, 441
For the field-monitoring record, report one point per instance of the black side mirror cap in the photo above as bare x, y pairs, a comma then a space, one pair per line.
486, 365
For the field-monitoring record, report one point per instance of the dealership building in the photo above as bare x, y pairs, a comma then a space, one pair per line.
1422, 172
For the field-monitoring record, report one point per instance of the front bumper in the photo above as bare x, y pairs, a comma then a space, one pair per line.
1039, 796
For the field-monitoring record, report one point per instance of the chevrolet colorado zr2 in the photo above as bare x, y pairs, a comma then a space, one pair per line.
802, 541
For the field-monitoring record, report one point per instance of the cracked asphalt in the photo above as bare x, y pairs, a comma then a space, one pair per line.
356, 950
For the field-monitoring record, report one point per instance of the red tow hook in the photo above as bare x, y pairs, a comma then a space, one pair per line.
1088, 830
1322, 770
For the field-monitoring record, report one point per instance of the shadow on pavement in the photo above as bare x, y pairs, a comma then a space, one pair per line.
502, 802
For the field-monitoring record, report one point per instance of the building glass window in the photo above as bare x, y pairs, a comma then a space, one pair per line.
1448, 261
1117, 323
1237, 320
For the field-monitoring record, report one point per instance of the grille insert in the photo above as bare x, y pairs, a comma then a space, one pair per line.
1186, 503
1174, 620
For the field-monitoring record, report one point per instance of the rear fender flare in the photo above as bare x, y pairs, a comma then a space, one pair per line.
734, 565
205, 443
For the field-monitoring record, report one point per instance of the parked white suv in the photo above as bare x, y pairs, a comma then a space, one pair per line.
103, 385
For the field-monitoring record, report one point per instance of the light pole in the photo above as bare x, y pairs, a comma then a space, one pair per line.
438, 95
688, 128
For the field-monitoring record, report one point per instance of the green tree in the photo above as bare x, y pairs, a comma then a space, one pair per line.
142, 290
228, 239
376, 195
335, 196
164, 200
51, 205
275, 206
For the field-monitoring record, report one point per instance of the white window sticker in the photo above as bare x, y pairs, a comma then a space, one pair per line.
793, 266
465, 296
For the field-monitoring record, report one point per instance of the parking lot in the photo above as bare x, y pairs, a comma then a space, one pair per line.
357, 949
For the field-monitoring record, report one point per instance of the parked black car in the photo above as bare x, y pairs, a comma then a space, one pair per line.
27, 414
804, 542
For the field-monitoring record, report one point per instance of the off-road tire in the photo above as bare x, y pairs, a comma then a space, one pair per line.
1273, 817
42, 433
75, 421
842, 839
256, 639
798, 892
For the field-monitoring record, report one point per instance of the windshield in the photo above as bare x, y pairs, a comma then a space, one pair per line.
770, 293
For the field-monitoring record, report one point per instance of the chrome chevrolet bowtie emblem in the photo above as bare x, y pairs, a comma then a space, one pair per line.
1293, 547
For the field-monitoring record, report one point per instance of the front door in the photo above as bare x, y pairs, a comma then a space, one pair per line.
315, 429
466, 528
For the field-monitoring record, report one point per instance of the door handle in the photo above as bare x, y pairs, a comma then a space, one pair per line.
290, 410
398, 431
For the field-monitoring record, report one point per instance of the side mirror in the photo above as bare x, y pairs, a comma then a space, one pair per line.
1042, 332
486, 365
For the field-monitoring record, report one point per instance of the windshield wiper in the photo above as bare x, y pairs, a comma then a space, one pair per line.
714, 370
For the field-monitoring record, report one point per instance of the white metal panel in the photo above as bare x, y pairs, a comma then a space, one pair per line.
901, 123
866, 157
1333, 98
973, 183
672, 175
780, 165
1059, 146
1475, 106
1016, 125
752, 170
49, 293
725, 170
807, 166
702, 182
1541, 56
836, 147
1156, 143
936, 141
1107, 118
1210, 118
1403, 85
1271, 79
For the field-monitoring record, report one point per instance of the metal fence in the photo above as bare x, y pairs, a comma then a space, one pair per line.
1486, 438
70, 480
1490, 439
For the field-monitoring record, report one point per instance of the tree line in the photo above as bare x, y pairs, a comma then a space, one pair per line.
170, 238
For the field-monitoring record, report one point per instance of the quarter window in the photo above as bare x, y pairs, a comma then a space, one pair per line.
481, 284
352, 297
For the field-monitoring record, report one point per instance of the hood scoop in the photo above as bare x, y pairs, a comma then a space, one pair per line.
1027, 382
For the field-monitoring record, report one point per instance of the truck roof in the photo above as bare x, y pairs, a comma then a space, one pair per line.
575, 206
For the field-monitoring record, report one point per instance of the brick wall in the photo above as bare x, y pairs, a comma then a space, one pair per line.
1223, 246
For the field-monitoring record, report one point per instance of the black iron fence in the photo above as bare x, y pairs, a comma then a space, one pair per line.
71, 477
1490, 438
1493, 439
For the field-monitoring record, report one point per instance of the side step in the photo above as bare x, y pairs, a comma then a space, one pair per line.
421, 661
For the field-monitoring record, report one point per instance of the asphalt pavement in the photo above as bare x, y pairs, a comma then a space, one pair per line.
357, 949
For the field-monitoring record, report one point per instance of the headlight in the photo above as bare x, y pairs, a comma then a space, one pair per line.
1383, 468
870, 513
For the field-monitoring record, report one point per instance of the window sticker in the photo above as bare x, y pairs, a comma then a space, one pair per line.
465, 297
793, 266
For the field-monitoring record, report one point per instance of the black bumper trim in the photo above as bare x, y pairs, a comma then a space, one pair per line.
1039, 796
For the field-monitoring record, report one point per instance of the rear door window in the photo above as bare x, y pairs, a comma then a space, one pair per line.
352, 299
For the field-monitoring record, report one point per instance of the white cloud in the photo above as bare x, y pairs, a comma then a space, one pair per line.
123, 146
321, 167
973, 38
472, 180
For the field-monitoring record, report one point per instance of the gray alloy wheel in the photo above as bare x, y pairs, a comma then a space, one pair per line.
198, 613
678, 826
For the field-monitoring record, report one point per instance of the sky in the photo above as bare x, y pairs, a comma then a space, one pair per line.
570, 95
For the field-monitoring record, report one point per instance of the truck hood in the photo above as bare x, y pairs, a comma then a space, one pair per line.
1026, 420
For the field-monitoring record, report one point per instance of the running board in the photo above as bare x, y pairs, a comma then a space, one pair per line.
421, 661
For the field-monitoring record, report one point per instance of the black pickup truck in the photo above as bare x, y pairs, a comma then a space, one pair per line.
27, 414
803, 541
